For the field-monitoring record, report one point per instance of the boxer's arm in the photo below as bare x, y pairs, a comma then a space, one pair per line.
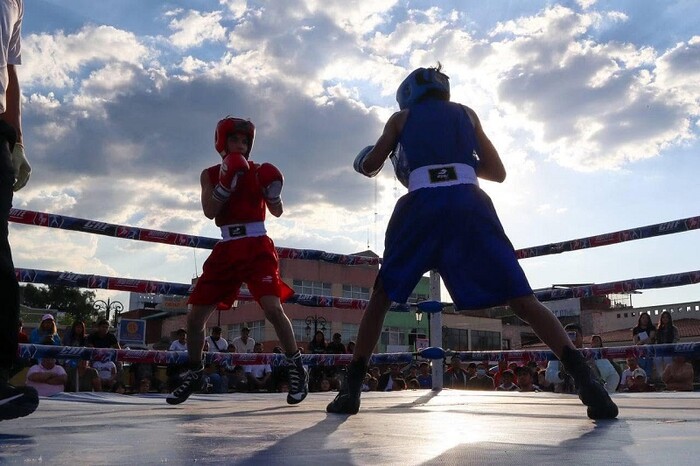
490, 165
386, 142
211, 206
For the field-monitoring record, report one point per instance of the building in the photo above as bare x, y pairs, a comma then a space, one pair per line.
165, 314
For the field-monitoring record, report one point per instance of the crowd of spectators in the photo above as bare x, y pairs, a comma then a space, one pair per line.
49, 376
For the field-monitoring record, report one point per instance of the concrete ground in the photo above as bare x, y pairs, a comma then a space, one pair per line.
396, 428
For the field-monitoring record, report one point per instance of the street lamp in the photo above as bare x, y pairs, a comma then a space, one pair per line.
419, 319
316, 320
107, 307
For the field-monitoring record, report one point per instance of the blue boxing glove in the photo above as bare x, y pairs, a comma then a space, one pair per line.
360, 160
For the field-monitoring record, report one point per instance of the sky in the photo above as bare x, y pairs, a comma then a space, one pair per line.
594, 107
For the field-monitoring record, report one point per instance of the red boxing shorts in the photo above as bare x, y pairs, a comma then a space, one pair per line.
252, 260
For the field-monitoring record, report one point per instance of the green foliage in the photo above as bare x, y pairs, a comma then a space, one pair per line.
78, 304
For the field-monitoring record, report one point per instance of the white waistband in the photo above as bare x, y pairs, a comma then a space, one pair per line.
242, 230
435, 176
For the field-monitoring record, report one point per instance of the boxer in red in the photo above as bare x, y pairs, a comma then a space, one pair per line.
236, 194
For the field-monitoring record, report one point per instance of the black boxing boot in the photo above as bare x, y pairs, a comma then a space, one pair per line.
590, 390
348, 399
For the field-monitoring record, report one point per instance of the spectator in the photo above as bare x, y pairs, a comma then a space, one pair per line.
425, 377
413, 384
107, 371
350, 347
627, 377
399, 384
83, 378
596, 341
47, 377
216, 343
507, 384
181, 343
144, 386
76, 335
498, 372
47, 328
102, 338
411, 372
666, 333
243, 343
645, 334
542, 382
145, 371
455, 375
325, 385
678, 376
213, 380
259, 375
471, 370
639, 382
387, 380
238, 380
318, 344
481, 381
22, 336
336, 345
525, 383
602, 368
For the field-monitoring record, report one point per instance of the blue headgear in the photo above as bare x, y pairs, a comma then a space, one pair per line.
420, 82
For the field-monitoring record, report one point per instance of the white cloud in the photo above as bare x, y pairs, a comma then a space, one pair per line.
195, 28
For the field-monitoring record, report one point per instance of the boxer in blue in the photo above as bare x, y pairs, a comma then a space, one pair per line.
447, 223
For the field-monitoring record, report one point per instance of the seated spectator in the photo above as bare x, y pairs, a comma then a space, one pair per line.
213, 380
259, 375
525, 384
336, 345
481, 381
141, 370
47, 377
398, 385
144, 386
216, 343
102, 338
238, 380
627, 377
413, 384
180, 344
456, 376
350, 348
678, 376
325, 385
411, 372
47, 328
107, 371
76, 335
119, 388
83, 378
425, 377
386, 380
507, 384
22, 337
542, 382
639, 382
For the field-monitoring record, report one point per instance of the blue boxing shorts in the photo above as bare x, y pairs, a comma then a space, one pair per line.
456, 231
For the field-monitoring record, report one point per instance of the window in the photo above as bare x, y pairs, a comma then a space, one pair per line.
349, 332
299, 326
625, 314
455, 339
312, 288
355, 292
393, 336
505, 344
656, 312
618, 315
485, 340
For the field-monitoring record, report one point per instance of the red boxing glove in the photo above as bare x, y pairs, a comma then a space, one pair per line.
271, 181
232, 168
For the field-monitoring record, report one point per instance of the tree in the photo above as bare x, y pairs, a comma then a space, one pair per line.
73, 301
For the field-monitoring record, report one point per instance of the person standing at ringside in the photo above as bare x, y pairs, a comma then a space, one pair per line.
236, 194
14, 174
447, 223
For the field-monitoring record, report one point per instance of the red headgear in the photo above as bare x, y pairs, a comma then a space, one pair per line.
230, 125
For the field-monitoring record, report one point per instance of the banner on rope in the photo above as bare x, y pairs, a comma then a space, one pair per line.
63, 222
31, 351
148, 286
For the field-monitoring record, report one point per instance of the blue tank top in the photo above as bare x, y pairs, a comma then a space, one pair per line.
436, 132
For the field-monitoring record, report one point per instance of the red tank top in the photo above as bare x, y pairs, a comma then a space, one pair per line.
246, 203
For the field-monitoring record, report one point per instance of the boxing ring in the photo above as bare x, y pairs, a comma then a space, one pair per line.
406, 427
